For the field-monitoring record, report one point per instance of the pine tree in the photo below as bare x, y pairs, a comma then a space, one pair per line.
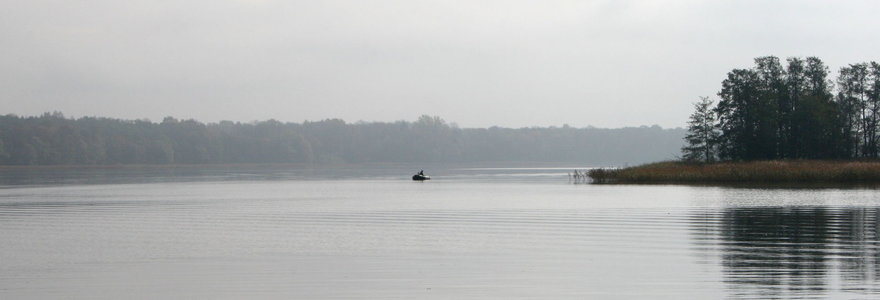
702, 133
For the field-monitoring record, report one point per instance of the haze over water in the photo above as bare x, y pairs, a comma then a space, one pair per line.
471, 233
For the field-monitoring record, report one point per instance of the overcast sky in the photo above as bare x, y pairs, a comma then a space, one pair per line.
476, 63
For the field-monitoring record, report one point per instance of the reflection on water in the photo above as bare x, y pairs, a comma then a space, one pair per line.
793, 252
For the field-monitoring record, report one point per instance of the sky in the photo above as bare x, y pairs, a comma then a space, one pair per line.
509, 63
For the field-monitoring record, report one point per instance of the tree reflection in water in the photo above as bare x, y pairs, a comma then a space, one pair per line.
784, 252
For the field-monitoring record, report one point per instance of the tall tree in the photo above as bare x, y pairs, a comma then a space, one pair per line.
775, 116
872, 104
739, 115
852, 85
796, 85
816, 115
702, 133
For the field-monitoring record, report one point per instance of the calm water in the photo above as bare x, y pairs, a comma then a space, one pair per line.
370, 233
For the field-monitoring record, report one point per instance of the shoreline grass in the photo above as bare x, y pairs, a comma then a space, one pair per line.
756, 172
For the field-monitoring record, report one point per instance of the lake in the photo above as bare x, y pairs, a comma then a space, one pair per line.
369, 232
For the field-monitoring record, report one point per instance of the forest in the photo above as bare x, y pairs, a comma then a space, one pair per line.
53, 139
790, 111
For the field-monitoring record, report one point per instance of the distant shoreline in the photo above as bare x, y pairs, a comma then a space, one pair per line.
756, 172
462, 165
52, 139
158, 166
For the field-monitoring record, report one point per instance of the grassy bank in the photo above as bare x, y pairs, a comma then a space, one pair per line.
744, 172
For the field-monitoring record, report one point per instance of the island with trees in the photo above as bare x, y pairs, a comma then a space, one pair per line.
777, 122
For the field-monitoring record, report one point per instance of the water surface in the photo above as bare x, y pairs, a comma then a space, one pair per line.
471, 233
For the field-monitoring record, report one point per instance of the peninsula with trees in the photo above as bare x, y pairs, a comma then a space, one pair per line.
777, 122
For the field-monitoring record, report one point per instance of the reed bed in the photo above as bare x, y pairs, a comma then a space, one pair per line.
744, 172
579, 176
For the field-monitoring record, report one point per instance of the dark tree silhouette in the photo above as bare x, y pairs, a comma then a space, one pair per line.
773, 111
702, 133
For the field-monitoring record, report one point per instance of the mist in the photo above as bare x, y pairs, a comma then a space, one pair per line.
480, 63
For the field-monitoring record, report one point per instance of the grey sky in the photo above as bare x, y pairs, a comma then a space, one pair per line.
477, 63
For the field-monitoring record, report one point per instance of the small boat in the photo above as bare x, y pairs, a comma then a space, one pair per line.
421, 177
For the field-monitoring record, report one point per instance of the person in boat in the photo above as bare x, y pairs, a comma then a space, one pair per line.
422, 173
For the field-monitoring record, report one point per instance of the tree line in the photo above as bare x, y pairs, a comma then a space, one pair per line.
53, 139
789, 111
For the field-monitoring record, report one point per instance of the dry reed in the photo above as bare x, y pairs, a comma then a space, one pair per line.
744, 172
